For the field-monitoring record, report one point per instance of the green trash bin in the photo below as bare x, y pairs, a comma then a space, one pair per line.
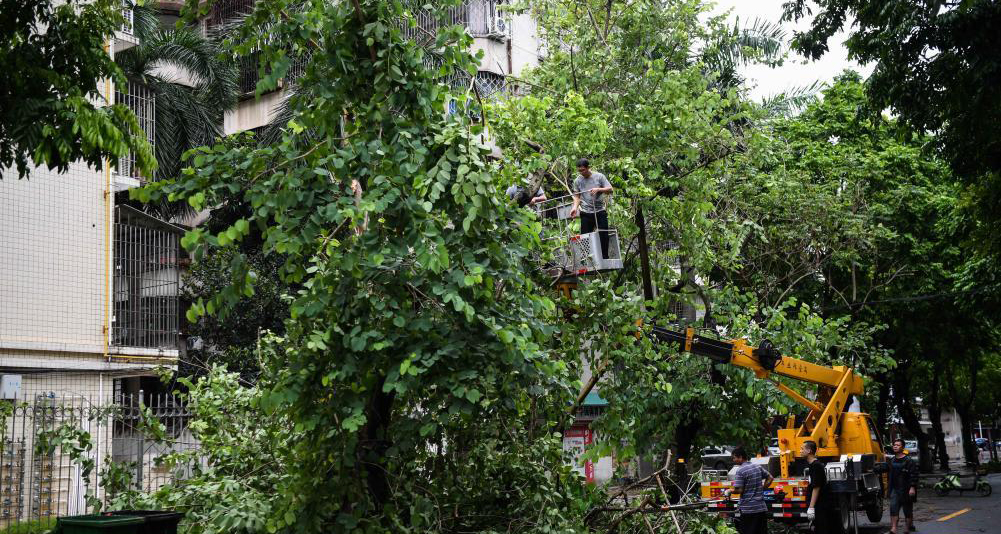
99, 524
155, 521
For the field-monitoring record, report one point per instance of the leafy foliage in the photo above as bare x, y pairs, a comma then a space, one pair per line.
57, 65
193, 84
937, 68
417, 333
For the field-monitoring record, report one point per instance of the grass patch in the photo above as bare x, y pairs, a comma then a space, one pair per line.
30, 527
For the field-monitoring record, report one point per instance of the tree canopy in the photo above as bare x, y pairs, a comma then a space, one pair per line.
938, 67
59, 72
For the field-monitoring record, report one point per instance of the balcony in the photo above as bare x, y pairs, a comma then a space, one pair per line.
146, 317
481, 18
142, 102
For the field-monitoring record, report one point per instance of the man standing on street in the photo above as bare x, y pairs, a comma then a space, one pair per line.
589, 190
750, 482
903, 486
820, 510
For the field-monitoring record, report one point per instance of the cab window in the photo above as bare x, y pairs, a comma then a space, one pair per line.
874, 433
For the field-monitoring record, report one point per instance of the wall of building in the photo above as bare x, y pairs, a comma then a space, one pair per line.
252, 113
524, 43
53, 290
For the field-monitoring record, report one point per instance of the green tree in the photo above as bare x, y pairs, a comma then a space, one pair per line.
649, 91
937, 67
844, 213
56, 62
417, 338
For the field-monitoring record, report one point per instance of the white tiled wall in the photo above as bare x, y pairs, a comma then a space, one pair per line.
53, 233
85, 388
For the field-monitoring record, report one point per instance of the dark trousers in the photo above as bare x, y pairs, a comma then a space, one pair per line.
753, 523
827, 521
598, 220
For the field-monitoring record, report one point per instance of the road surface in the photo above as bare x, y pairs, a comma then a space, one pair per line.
952, 514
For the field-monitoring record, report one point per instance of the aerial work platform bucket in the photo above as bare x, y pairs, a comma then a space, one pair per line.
574, 252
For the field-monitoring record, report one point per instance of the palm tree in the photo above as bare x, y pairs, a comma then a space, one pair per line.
193, 86
758, 42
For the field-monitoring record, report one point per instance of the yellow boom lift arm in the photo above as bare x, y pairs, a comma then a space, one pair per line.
823, 425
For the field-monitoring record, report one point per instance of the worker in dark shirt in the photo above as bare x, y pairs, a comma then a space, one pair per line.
820, 509
903, 486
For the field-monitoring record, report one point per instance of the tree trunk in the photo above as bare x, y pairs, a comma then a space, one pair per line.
902, 398
935, 415
684, 439
378, 413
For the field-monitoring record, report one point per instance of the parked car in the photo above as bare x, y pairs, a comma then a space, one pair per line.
717, 457
911, 447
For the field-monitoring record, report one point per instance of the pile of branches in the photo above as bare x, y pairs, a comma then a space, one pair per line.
644, 506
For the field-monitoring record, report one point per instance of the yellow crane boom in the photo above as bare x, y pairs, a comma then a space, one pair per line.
827, 424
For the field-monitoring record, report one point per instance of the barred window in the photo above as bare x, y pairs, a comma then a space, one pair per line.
141, 100
147, 281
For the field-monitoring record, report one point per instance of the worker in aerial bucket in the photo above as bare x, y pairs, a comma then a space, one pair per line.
589, 193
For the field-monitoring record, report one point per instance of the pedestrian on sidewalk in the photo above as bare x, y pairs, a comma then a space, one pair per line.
820, 509
903, 487
589, 193
750, 482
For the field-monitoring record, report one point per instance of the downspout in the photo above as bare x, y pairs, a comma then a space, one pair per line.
109, 199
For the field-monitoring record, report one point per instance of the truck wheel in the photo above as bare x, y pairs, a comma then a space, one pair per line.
874, 511
845, 511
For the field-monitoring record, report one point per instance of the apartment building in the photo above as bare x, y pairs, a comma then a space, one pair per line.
89, 309
88, 288
509, 43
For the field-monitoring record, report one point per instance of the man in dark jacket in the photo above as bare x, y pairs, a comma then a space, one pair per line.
903, 486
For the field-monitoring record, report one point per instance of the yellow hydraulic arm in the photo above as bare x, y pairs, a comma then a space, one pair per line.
837, 383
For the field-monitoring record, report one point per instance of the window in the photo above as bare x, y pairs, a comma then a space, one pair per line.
140, 99
147, 281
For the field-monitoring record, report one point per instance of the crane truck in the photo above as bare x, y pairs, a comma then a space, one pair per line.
847, 441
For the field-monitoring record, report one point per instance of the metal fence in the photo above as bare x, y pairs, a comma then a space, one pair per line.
38, 481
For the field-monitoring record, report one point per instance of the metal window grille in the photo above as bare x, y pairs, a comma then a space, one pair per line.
297, 68
141, 100
479, 17
127, 24
490, 84
227, 11
147, 281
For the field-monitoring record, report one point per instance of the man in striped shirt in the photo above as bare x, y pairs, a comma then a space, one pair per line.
750, 482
